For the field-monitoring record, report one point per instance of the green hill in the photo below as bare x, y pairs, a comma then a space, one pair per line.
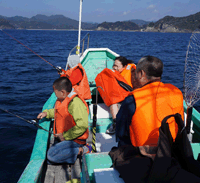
46, 22
118, 26
5, 24
182, 24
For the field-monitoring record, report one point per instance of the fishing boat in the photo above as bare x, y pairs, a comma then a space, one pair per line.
93, 167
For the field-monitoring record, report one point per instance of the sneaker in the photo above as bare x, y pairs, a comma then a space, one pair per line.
87, 149
111, 129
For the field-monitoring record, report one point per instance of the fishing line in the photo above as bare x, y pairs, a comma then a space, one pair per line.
57, 68
34, 122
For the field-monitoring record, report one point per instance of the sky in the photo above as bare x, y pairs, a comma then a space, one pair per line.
101, 10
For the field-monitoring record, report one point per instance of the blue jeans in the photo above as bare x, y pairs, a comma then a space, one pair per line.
63, 152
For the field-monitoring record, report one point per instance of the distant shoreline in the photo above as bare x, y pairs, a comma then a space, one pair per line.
95, 30
49, 29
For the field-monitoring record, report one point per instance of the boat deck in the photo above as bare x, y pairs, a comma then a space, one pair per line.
65, 172
62, 173
58, 174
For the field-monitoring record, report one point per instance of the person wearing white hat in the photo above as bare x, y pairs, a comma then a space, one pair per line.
77, 75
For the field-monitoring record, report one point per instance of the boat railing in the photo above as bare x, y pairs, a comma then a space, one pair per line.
87, 36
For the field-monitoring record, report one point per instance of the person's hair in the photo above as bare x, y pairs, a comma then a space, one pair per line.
124, 61
130, 62
63, 83
152, 66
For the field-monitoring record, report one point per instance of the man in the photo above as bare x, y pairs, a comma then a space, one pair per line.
141, 113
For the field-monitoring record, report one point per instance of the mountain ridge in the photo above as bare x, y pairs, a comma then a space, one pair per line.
40, 21
176, 24
165, 24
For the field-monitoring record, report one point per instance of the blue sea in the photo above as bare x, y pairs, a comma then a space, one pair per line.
26, 80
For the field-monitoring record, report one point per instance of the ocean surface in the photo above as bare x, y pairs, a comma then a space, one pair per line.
26, 80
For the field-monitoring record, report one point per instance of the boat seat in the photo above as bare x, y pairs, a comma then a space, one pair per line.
97, 162
102, 112
107, 175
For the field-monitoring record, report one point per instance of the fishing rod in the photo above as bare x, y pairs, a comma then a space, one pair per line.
34, 121
59, 69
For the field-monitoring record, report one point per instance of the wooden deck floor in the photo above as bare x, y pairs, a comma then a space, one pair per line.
64, 173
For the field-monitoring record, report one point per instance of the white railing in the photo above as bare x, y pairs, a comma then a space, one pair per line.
82, 45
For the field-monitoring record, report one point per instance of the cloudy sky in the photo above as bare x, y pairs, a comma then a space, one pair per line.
101, 10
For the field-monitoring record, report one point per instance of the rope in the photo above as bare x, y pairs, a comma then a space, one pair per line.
94, 124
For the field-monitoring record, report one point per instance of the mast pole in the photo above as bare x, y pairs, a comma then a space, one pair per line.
79, 29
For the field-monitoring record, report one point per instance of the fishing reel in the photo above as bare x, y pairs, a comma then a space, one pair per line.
34, 121
59, 69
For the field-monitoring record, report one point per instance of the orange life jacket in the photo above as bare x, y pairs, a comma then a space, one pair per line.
83, 87
108, 87
154, 102
63, 120
126, 73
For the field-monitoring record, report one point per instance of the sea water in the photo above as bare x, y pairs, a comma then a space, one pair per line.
26, 80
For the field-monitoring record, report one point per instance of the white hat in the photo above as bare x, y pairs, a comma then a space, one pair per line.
73, 60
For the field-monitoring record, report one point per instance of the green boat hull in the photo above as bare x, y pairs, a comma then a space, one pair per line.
94, 61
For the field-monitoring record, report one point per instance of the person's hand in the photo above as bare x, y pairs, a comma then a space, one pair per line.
59, 69
61, 73
42, 115
60, 136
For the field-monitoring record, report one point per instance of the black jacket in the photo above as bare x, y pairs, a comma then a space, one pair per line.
168, 162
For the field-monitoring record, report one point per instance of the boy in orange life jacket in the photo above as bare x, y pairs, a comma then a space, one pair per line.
77, 75
125, 67
141, 113
70, 123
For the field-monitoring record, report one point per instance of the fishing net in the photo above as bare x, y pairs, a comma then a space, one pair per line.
191, 85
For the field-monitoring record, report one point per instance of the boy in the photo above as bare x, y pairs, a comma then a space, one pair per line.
70, 123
